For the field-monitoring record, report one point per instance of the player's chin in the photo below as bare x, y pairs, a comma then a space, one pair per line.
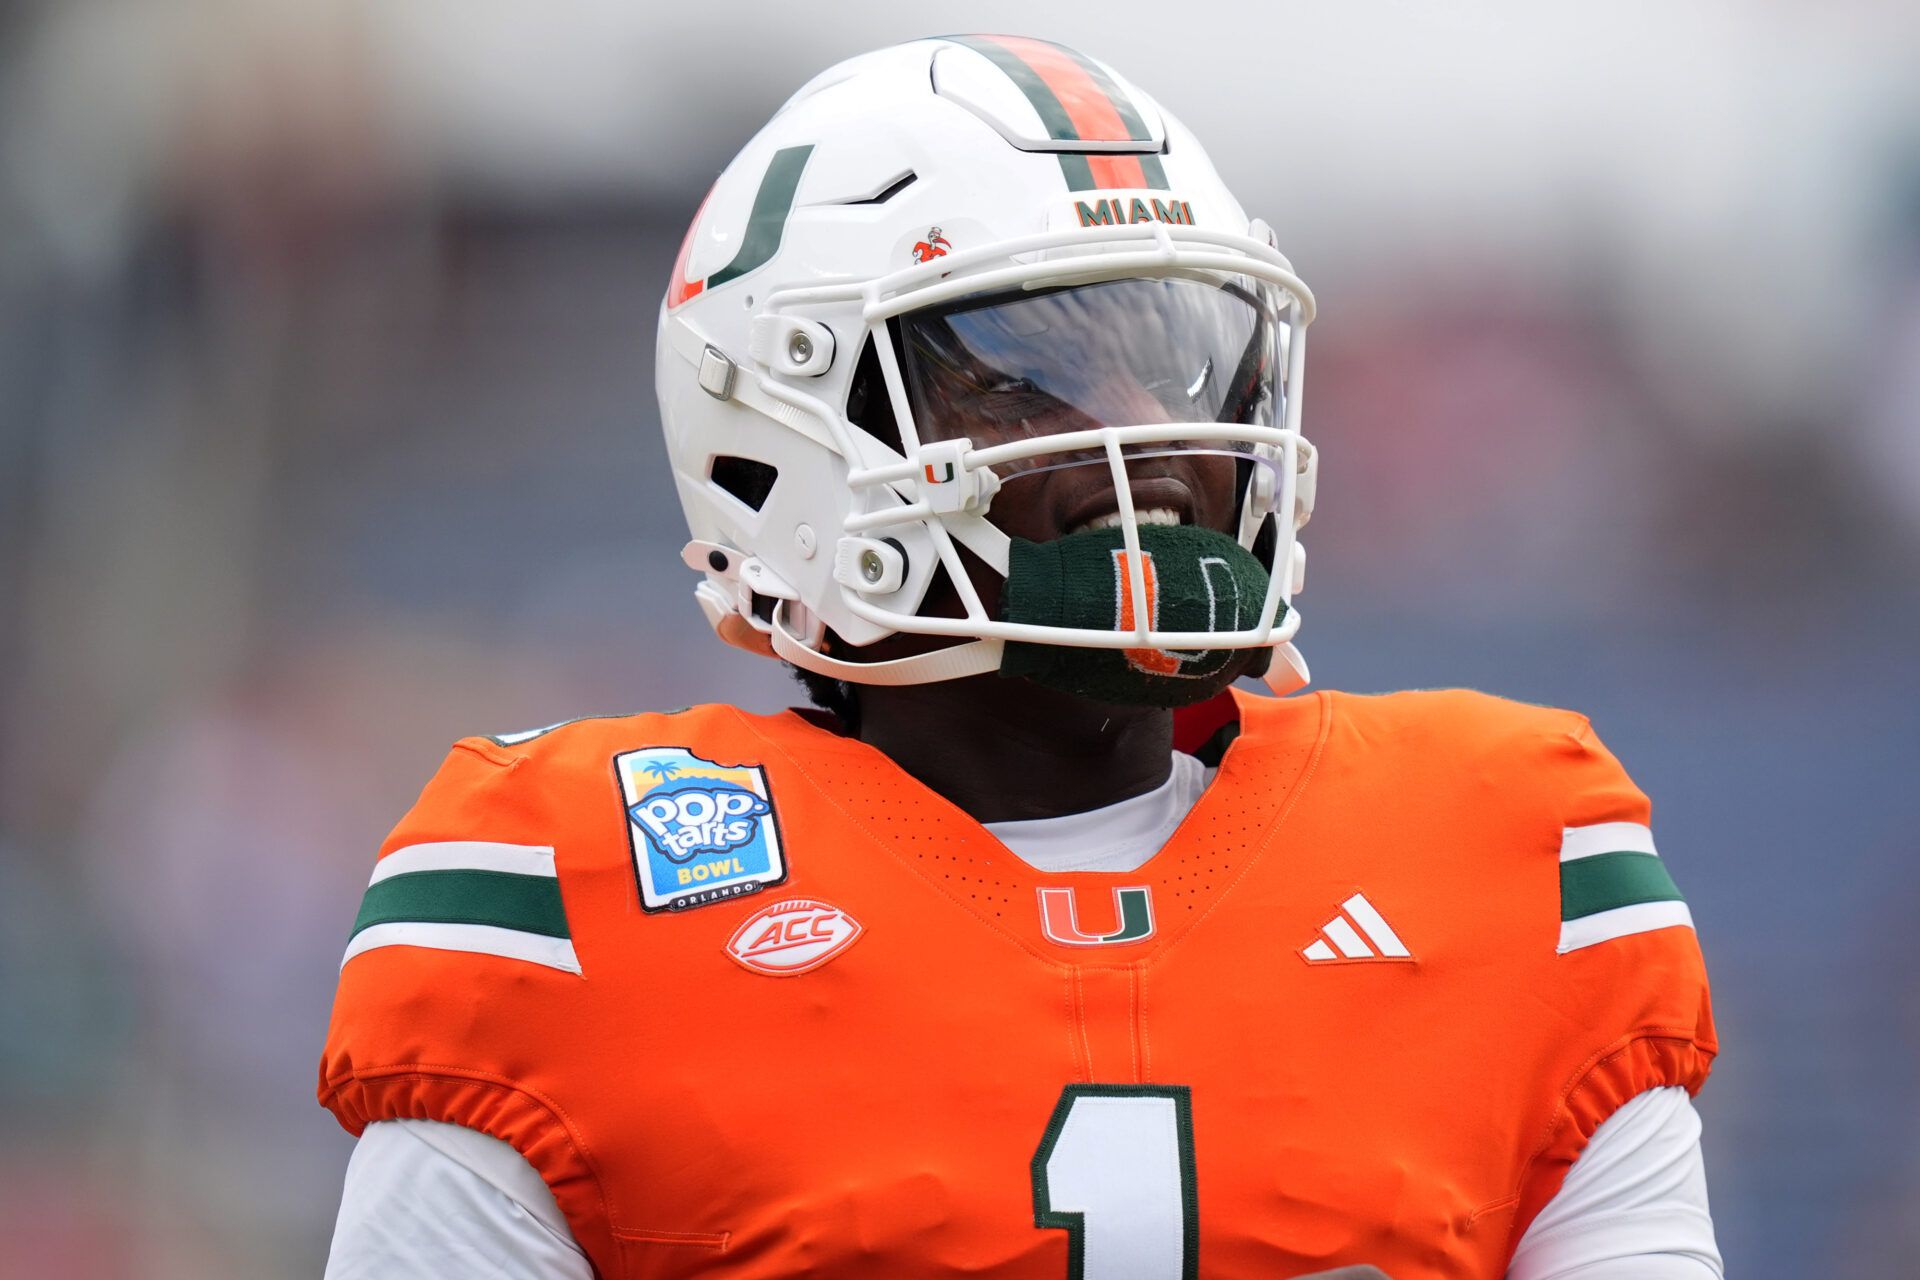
1055, 706
1109, 682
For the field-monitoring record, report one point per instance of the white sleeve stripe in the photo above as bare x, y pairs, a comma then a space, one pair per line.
483, 939
1605, 837
1605, 926
465, 855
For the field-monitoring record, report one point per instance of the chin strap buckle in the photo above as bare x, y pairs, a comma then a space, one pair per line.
947, 484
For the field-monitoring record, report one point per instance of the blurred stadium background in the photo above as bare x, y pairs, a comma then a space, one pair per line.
327, 435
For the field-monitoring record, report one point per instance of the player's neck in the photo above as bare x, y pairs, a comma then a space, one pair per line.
1006, 749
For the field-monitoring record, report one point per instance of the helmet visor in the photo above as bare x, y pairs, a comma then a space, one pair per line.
1116, 353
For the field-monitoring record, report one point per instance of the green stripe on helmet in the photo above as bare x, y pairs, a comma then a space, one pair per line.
1053, 115
1130, 116
1079, 174
1122, 104
768, 221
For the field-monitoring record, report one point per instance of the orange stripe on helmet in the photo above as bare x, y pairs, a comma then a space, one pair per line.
679, 288
1087, 105
1117, 171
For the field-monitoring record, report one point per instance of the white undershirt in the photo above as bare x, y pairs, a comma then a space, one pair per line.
1120, 837
425, 1200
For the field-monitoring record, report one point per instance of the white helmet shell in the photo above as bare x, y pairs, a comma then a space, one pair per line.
897, 180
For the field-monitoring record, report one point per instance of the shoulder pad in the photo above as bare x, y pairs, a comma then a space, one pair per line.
1467, 719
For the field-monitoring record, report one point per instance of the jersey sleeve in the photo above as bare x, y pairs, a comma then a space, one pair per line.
461, 979
1628, 984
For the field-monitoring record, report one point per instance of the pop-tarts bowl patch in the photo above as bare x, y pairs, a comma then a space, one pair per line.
701, 831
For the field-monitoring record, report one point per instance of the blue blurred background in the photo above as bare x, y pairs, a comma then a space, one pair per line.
327, 435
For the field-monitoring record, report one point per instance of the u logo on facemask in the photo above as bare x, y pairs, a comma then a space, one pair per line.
1195, 581
1166, 662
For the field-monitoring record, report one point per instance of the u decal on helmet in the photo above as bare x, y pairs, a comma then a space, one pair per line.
766, 226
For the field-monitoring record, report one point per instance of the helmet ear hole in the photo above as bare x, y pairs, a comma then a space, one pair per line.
869, 407
746, 480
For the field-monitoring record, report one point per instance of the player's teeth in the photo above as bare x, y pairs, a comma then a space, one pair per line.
1146, 515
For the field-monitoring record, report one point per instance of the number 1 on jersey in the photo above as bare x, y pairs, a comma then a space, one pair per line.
1115, 1172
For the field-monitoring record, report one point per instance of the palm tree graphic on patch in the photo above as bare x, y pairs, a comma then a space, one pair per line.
696, 807
661, 770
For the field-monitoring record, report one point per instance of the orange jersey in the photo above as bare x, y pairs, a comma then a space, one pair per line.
754, 1001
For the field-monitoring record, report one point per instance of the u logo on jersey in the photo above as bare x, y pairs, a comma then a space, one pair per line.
1132, 913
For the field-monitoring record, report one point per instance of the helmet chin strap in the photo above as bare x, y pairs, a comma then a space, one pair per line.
974, 658
1288, 673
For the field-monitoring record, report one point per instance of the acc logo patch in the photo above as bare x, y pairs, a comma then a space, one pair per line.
792, 937
701, 831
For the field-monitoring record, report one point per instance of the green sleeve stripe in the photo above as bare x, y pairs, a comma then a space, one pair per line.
529, 904
1609, 880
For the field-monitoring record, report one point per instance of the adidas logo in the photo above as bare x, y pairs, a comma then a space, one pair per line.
1340, 939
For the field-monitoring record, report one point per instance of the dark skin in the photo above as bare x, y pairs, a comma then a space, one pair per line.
1011, 749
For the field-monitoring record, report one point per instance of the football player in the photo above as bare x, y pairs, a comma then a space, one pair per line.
1038, 950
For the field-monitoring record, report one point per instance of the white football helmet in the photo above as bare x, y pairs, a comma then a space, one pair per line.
1036, 195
